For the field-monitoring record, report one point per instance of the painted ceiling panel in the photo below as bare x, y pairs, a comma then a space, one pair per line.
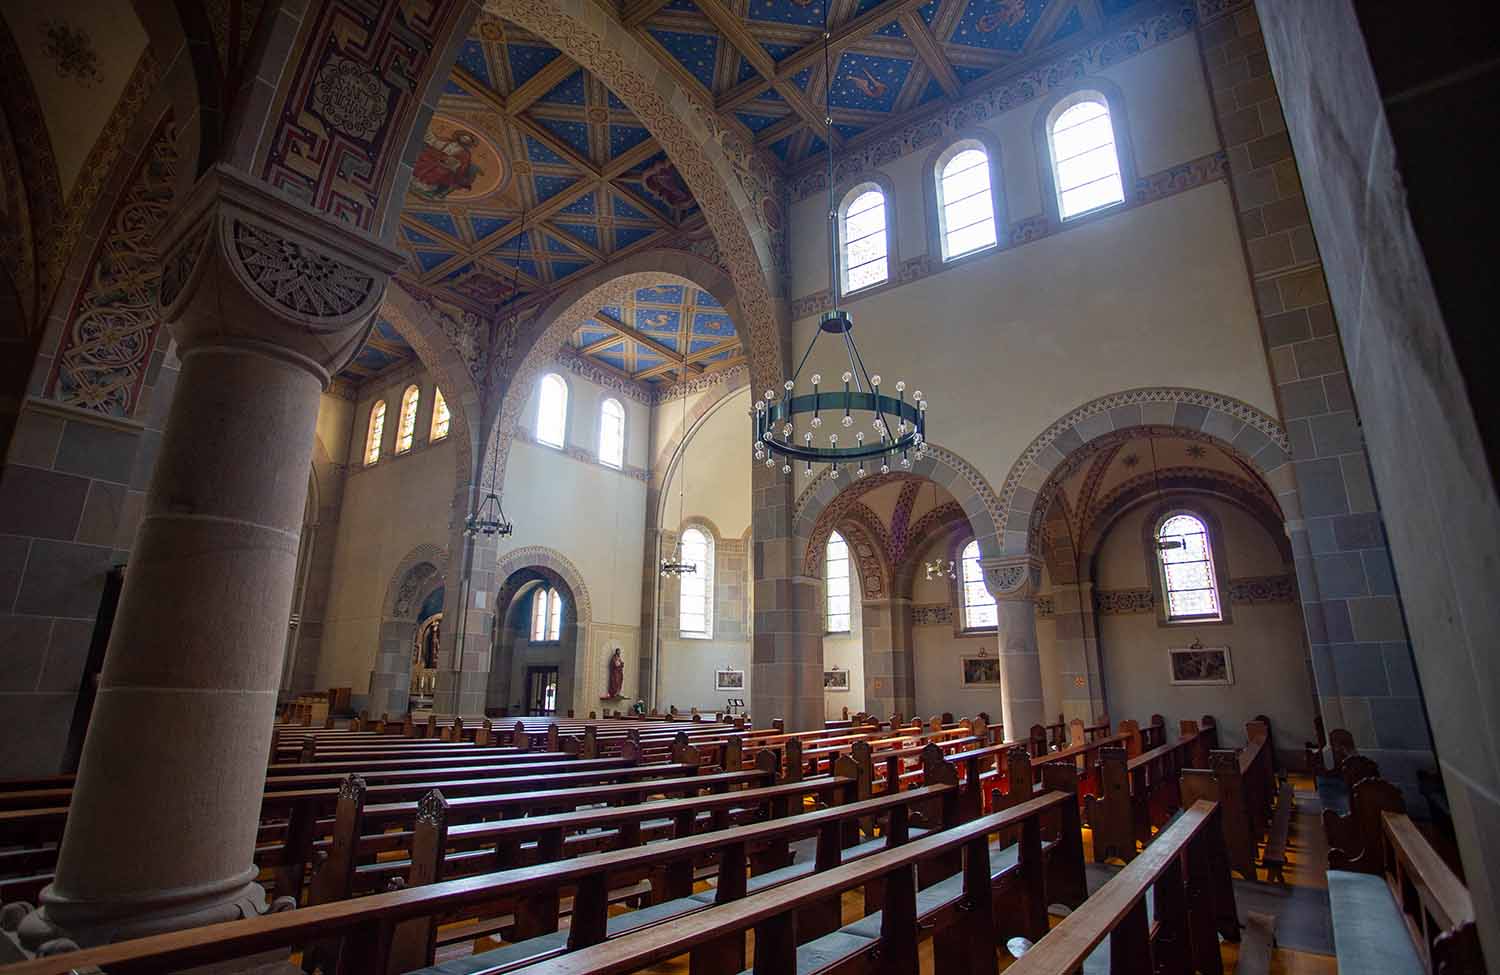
997, 25
527, 59
868, 82
698, 53
807, 14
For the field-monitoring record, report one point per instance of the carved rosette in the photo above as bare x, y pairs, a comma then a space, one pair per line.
432, 809
1013, 579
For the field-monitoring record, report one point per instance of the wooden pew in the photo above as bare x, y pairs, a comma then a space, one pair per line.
1192, 905
1243, 783
1411, 916
1137, 794
1354, 837
391, 932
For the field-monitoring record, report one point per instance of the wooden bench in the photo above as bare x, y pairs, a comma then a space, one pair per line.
1413, 916
1177, 930
1243, 783
1273, 855
1137, 795
1354, 837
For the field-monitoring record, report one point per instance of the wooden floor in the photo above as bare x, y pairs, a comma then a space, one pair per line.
1306, 855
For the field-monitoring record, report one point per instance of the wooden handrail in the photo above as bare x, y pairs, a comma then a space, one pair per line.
1067, 945
1425, 887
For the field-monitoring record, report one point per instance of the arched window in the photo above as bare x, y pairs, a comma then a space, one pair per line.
836, 563
612, 433
406, 421
863, 238
695, 595
979, 605
546, 615
1187, 569
552, 410
376, 431
1085, 164
441, 418
966, 207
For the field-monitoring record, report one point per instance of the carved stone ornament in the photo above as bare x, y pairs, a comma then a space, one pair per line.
179, 265
1013, 578
296, 275
350, 97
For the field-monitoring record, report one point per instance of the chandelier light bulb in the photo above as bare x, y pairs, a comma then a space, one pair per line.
833, 438
770, 395
861, 472
760, 407
906, 463
817, 377
922, 405
807, 438
848, 376
859, 437
786, 431
834, 473
885, 468
817, 421
770, 462
848, 420
786, 468
900, 385
917, 396
787, 385
875, 379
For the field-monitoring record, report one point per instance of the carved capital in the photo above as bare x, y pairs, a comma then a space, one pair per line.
1014, 578
245, 267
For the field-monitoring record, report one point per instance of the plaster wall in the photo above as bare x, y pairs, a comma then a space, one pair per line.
389, 508
846, 651
939, 646
1267, 642
1005, 343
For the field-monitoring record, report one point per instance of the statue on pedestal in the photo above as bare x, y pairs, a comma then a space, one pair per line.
616, 675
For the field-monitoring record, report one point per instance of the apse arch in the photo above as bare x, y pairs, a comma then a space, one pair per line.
518, 572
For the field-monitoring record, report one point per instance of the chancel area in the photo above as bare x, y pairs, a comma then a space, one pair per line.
729, 486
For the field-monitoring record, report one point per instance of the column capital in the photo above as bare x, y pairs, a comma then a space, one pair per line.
244, 267
1013, 578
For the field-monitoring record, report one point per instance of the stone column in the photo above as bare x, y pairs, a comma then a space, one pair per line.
890, 680
1014, 581
464, 671
1081, 682
786, 679
266, 301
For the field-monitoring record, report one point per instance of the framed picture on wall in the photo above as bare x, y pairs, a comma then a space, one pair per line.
729, 680
979, 671
835, 680
1200, 665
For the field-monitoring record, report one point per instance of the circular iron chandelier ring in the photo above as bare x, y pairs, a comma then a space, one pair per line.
771, 417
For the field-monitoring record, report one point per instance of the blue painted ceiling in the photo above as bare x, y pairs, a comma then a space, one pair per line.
648, 332
519, 128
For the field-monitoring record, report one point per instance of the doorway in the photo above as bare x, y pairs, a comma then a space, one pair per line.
541, 690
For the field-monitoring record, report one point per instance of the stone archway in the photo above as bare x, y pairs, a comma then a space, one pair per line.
419, 574
516, 571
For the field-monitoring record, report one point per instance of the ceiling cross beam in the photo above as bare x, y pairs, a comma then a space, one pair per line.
635, 335
550, 76
931, 52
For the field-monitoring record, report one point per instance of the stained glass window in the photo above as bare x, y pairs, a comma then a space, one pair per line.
1085, 165
966, 207
376, 431
1187, 569
552, 410
837, 581
862, 231
441, 418
979, 605
695, 592
612, 433
406, 422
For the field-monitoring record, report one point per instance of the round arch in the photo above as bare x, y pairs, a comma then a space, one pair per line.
1243, 430
415, 577
516, 572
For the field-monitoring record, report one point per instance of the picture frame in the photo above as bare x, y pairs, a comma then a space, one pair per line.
980, 671
836, 680
729, 680
1199, 666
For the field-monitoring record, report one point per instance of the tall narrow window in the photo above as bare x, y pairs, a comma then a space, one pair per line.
1187, 569
376, 431
979, 605
695, 595
966, 207
406, 422
441, 418
837, 580
552, 410
612, 433
1085, 165
546, 615
862, 232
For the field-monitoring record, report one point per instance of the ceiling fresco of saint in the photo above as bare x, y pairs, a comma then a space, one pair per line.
533, 173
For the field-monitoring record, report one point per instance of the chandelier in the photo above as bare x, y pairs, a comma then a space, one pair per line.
939, 568
788, 427
488, 518
675, 566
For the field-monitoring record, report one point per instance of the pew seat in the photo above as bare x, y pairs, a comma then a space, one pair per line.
1369, 932
1333, 794
511, 955
1273, 856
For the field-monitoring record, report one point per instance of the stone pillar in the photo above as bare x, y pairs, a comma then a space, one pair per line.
1014, 581
786, 679
266, 301
464, 671
890, 680
1079, 670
